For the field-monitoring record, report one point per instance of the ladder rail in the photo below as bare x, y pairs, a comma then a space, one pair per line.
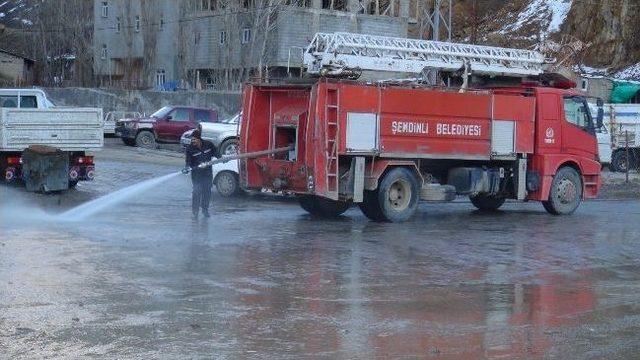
372, 52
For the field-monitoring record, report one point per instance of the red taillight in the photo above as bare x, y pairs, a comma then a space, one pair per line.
83, 160
14, 160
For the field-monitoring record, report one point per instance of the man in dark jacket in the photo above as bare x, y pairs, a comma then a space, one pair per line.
198, 152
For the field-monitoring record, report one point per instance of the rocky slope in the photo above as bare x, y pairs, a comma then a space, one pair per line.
601, 34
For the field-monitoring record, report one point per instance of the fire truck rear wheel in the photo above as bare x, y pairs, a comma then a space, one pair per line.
566, 192
322, 207
487, 202
396, 198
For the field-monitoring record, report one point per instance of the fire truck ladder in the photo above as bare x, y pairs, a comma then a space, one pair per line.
331, 139
343, 53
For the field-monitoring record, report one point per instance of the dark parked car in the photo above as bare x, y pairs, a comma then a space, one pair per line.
164, 125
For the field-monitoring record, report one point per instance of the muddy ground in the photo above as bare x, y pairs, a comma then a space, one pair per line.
261, 279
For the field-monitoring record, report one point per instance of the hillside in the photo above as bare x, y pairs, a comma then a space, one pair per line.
595, 35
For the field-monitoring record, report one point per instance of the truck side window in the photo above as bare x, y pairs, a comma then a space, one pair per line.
180, 115
576, 112
28, 102
8, 101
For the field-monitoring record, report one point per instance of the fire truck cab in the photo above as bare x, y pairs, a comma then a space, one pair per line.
386, 147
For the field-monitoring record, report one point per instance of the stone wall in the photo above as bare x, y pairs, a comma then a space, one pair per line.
142, 100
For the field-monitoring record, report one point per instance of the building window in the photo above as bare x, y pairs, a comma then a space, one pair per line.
105, 9
223, 37
118, 24
584, 84
160, 77
103, 54
137, 23
246, 35
161, 21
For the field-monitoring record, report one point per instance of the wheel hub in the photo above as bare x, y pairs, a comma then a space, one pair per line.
225, 184
567, 191
399, 195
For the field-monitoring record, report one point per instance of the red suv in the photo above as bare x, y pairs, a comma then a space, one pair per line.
164, 125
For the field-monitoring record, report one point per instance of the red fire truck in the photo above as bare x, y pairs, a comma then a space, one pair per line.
385, 147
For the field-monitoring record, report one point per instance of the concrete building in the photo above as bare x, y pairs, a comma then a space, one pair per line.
135, 43
15, 69
218, 44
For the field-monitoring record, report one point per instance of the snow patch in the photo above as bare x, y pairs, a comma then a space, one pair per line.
1, 15
629, 73
550, 14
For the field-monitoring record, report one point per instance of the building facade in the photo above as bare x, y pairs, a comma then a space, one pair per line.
219, 44
15, 70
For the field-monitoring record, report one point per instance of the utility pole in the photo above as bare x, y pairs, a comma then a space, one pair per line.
436, 14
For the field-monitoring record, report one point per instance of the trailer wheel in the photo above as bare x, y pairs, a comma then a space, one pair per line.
487, 202
146, 139
321, 207
566, 192
619, 161
396, 198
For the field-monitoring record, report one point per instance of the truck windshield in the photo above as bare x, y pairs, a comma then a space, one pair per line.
162, 112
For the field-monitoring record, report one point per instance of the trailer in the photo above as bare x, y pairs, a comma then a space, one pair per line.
622, 136
385, 147
29, 119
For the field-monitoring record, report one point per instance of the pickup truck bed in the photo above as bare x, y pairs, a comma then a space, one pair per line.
68, 129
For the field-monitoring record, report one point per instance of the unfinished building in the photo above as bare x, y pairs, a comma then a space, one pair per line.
219, 44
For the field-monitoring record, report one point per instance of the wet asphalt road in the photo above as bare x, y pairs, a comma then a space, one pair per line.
261, 279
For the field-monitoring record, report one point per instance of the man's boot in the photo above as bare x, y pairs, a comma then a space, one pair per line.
205, 213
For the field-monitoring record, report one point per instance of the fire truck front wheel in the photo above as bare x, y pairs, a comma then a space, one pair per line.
395, 199
566, 192
322, 207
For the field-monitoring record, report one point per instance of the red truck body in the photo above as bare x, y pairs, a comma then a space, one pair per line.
492, 143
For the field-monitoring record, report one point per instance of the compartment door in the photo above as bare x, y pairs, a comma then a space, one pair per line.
362, 133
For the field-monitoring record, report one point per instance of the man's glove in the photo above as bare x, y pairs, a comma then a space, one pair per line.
185, 170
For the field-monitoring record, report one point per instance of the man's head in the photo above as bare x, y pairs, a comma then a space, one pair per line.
196, 137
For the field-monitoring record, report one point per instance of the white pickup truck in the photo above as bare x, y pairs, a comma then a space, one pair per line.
28, 118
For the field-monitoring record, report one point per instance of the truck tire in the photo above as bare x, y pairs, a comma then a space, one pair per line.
229, 147
322, 207
146, 139
619, 161
487, 202
227, 184
129, 142
566, 192
395, 199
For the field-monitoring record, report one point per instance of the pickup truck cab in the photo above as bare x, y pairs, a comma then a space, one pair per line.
24, 98
165, 125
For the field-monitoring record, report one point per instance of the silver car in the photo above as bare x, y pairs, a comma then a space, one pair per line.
223, 134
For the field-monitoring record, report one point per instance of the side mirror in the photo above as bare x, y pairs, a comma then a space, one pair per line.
169, 118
